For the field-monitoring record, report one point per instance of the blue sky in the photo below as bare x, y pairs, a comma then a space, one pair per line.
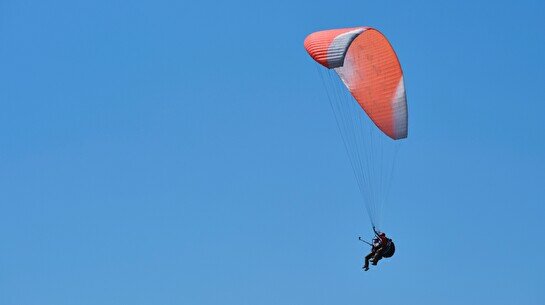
172, 152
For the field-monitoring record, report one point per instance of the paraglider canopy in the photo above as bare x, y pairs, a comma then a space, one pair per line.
370, 69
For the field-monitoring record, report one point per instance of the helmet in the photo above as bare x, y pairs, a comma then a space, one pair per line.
382, 234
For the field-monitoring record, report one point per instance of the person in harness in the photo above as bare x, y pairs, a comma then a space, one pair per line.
381, 247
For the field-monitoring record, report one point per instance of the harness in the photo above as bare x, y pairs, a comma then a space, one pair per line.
389, 249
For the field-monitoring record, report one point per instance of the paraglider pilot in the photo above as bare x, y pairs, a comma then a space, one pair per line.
381, 247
